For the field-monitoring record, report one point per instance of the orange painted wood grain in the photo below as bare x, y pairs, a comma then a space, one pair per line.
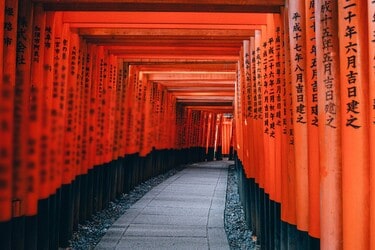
353, 37
8, 70
297, 32
312, 122
371, 33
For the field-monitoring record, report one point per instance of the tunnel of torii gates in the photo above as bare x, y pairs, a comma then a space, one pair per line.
98, 96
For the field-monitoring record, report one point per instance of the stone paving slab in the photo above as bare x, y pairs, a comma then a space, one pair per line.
166, 243
186, 211
166, 230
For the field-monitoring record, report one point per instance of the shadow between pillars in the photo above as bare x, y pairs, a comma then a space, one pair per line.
263, 217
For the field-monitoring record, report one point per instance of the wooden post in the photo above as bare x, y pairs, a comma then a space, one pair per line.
297, 33
291, 171
371, 32
8, 15
353, 37
329, 124
312, 122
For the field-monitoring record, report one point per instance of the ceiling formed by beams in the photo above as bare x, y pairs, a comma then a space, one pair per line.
190, 47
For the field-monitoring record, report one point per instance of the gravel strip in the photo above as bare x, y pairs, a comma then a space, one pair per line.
238, 233
89, 234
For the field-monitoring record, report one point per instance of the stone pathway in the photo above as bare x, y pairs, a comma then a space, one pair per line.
184, 212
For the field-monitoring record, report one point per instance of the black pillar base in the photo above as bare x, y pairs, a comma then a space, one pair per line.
31, 232
18, 232
43, 224
5, 235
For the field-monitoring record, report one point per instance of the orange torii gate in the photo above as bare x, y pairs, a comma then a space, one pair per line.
92, 104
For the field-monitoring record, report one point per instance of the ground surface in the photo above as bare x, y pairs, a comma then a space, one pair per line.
239, 237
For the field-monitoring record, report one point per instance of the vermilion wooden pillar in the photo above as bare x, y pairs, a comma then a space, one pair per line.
50, 122
278, 98
39, 121
7, 68
371, 32
65, 139
297, 32
312, 122
291, 171
353, 37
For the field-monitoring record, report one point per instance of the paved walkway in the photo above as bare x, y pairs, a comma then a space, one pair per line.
186, 211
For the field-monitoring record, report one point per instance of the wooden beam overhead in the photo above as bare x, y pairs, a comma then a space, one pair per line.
211, 108
202, 94
116, 18
143, 41
172, 51
202, 90
224, 6
183, 33
196, 76
198, 84
204, 104
206, 98
188, 67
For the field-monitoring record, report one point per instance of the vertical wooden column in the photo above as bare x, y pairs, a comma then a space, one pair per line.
90, 80
69, 78
65, 140
105, 110
114, 103
118, 145
271, 70
371, 32
204, 132
85, 199
238, 110
289, 109
48, 145
284, 138
76, 65
219, 141
353, 39
256, 75
23, 178
258, 114
297, 32
145, 143
245, 82
251, 108
312, 122
57, 124
5, 177
83, 85
123, 70
277, 123
131, 109
39, 121
91, 72
268, 175
38, 117
8, 36
329, 124
101, 75
28, 147
284, 128
278, 89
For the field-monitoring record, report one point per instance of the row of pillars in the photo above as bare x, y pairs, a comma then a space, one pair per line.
305, 120
72, 204
263, 214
